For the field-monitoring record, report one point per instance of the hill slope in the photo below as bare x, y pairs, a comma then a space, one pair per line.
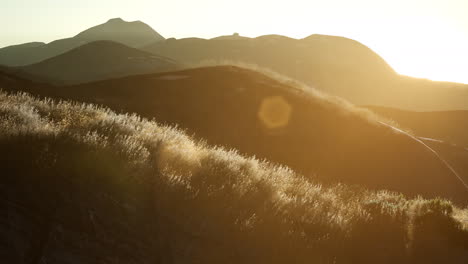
336, 65
457, 156
449, 126
321, 137
133, 34
14, 80
97, 61
445, 132
82, 185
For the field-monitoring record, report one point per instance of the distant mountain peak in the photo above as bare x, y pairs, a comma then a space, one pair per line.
134, 34
117, 19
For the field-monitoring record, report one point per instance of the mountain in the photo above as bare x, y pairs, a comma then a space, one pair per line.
97, 61
321, 137
336, 65
82, 184
133, 34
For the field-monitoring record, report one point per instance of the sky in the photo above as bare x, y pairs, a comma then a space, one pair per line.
421, 38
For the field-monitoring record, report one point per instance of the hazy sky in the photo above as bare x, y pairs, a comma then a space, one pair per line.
423, 38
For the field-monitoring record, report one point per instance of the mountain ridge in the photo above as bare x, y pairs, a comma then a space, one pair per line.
98, 60
138, 33
128, 33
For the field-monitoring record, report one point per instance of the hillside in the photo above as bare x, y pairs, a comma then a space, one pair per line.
133, 34
119, 189
457, 156
98, 60
336, 65
449, 126
321, 137
14, 80
445, 132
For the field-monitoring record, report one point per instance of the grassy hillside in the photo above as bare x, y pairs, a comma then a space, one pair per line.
120, 189
449, 126
322, 137
457, 156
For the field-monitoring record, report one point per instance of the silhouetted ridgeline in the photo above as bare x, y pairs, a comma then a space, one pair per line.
134, 34
82, 184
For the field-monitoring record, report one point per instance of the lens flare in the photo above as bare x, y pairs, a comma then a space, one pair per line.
275, 112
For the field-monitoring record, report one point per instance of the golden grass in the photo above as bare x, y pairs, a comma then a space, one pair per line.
216, 205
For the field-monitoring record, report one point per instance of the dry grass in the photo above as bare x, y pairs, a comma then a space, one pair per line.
217, 206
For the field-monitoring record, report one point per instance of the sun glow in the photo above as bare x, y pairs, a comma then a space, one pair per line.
428, 48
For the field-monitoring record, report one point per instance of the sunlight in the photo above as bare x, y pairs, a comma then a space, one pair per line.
428, 48
419, 46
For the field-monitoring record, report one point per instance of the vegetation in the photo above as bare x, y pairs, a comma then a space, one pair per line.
191, 203
280, 120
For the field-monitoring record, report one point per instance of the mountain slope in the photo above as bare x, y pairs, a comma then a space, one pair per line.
336, 65
97, 61
25, 55
321, 137
81, 184
14, 55
133, 34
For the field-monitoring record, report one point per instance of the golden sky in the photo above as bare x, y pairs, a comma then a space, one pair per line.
419, 38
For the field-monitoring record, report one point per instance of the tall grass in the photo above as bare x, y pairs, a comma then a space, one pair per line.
208, 204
